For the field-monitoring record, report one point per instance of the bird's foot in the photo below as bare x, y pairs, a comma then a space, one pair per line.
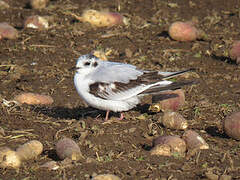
121, 117
107, 114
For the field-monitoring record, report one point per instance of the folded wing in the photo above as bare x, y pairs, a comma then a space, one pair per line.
127, 86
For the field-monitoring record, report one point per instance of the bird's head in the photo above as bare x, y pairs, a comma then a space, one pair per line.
86, 64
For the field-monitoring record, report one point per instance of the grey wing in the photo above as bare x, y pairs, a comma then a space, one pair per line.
108, 72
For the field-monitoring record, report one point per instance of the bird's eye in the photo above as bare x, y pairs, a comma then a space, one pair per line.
86, 63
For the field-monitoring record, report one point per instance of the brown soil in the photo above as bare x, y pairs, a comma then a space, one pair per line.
40, 62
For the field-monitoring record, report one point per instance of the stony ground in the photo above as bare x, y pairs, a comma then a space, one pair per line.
40, 62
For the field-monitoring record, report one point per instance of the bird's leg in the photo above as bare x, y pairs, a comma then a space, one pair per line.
121, 117
107, 113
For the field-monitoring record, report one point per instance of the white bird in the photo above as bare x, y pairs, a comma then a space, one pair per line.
118, 87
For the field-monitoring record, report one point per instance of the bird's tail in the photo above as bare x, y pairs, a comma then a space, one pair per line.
168, 75
154, 90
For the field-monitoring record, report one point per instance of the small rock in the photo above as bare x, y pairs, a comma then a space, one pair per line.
194, 140
3, 5
174, 120
67, 148
211, 176
232, 125
170, 100
7, 31
100, 54
36, 22
128, 52
38, 4
168, 145
50, 165
225, 177
106, 177
2, 132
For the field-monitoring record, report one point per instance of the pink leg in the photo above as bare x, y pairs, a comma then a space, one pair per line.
121, 117
107, 113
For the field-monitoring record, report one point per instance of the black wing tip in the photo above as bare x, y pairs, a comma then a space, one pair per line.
179, 73
186, 70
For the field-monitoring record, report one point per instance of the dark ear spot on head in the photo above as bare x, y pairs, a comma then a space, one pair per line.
95, 64
91, 56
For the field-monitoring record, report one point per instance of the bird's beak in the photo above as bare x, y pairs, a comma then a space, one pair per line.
73, 69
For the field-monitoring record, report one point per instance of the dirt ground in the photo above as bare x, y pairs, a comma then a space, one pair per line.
40, 62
